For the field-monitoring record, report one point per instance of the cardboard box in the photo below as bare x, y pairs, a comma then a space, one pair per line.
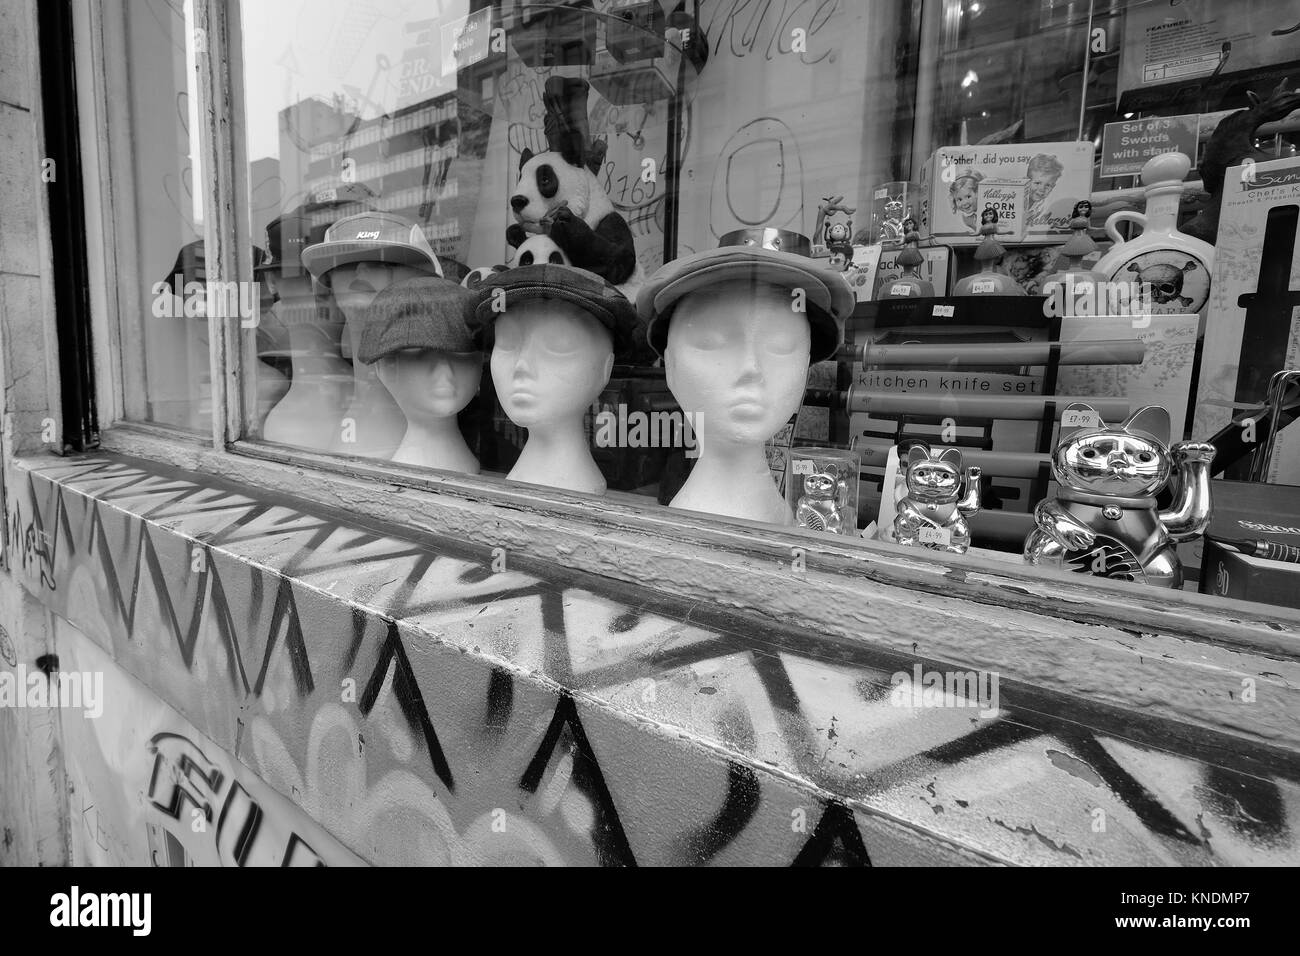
1056, 176
1253, 327
1011, 200
1255, 512
934, 270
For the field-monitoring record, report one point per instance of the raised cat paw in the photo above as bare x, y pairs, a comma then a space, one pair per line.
1074, 536
1194, 451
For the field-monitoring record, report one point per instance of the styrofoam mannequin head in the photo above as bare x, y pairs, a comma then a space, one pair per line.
550, 360
355, 284
737, 360
430, 383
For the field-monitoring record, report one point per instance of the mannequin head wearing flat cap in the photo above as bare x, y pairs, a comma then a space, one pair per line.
737, 327
417, 338
553, 331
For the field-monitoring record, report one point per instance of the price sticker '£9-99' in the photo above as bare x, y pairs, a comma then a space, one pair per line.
939, 536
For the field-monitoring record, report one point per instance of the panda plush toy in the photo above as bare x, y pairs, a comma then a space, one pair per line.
539, 250
558, 195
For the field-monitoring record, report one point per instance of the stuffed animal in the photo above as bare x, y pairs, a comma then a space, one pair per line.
538, 250
558, 194
475, 277
1104, 519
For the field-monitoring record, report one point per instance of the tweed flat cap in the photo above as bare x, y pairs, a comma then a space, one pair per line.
422, 313
744, 256
588, 291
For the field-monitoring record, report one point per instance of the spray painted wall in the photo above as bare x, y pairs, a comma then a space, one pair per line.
338, 695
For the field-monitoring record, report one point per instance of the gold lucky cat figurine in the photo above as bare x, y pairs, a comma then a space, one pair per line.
933, 513
1104, 519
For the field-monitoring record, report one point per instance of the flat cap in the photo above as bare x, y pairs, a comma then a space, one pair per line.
828, 298
588, 291
420, 313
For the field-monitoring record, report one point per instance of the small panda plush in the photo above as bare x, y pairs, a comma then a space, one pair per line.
558, 194
475, 277
539, 250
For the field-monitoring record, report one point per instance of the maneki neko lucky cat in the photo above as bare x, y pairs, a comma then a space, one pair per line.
933, 513
1104, 519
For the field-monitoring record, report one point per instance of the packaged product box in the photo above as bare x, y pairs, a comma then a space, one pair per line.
1011, 200
1252, 326
1055, 176
1247, 512
935, 269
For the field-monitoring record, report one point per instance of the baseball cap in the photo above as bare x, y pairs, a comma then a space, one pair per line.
422, 313
588, 291
192, 266
773, 256
371, 237
305, 225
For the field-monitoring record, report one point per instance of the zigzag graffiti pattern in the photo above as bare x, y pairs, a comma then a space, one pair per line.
316, 548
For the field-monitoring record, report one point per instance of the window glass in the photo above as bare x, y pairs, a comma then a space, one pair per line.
951, 274
162, 299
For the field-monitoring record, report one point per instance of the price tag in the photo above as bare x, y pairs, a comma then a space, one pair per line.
983, 287
944, 311
1079, 418
939, 536
900, 289
880, 194
801, 466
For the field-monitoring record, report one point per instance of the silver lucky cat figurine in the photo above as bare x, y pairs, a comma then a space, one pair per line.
933, 513
821, 506
1104, 519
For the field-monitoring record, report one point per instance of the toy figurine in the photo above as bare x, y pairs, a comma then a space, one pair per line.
989, 280
1233, 144
836, 237
1104, 519
558, 193
910, 284
893, 229
1074, 287
933, 513
824, 496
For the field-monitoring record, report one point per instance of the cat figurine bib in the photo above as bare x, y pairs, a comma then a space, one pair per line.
1104, 519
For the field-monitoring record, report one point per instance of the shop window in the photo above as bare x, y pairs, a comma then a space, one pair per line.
941, 273
159, 174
